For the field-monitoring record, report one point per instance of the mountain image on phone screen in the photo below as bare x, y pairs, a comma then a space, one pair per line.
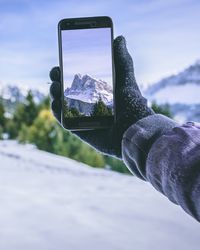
87, 72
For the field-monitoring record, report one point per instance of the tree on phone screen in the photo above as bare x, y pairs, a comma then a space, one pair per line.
100, 109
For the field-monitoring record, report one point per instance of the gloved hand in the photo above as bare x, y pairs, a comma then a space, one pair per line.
131, 106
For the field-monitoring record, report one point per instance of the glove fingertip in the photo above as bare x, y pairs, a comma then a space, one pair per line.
54, 74
55, 90
120, 40
56, 106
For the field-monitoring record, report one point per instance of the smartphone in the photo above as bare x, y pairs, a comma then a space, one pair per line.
87, 72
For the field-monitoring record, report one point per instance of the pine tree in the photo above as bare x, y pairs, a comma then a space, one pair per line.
100, 109
30, 109
116, 165
2, 114
70, 112
42, 132
75, 112
45, 103
164, 109
66, 111
47, 135
26, 112
2, 119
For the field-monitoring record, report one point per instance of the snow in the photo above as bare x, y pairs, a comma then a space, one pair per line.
50, 202
89, 97
185, 94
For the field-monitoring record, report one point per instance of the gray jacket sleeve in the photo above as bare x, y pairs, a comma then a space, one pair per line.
159, 150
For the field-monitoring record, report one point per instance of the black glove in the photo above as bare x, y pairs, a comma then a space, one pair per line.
131, 106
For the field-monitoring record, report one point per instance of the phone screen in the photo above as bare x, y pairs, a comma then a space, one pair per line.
87, 72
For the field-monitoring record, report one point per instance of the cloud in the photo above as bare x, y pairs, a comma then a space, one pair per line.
162, 36
28, 45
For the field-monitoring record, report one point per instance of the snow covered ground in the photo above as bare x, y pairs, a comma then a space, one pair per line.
49, 202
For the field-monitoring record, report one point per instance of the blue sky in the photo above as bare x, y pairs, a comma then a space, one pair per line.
87, 51
162, 35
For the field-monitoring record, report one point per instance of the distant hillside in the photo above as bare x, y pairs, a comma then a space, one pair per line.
181, 92
12, 95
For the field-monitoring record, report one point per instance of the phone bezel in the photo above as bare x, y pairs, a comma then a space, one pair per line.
85, 123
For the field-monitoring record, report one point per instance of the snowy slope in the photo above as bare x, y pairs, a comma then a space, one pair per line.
50, 202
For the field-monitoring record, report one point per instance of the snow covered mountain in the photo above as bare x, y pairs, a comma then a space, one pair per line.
12, 95
52, 202
16, 94
85, 91
181, 92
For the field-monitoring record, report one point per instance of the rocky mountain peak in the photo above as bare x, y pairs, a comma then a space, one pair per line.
85, 91
84, 82
89, 89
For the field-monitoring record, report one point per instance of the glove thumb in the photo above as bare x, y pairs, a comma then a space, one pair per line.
124, 70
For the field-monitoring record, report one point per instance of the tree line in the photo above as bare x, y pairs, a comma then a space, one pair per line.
34, 123
99, 109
